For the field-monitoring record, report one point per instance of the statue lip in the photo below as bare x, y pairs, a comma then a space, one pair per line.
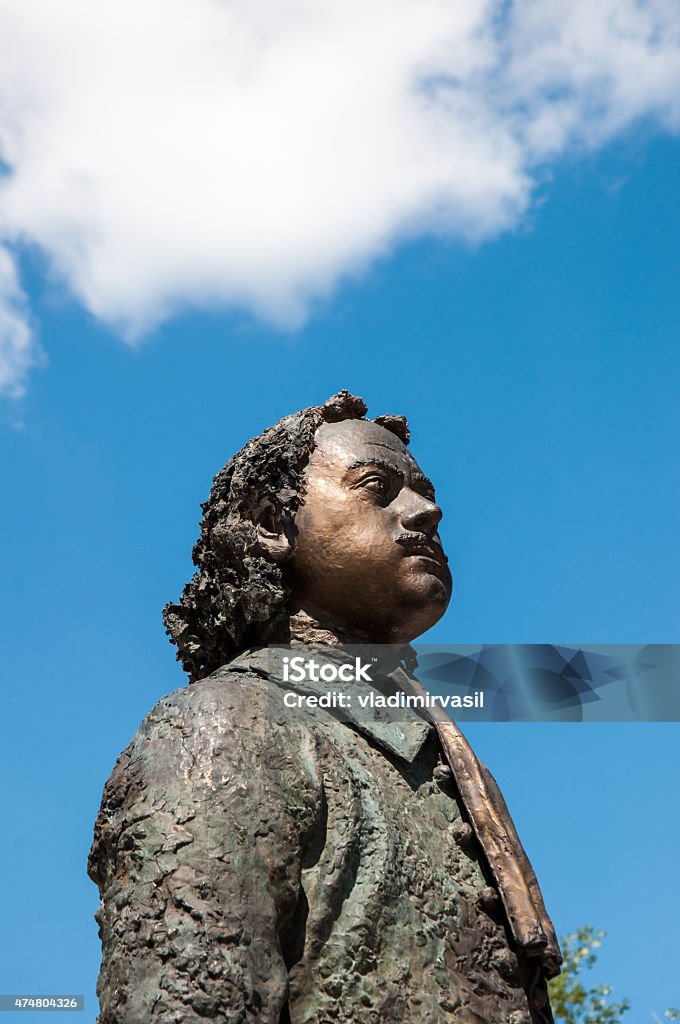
422, 547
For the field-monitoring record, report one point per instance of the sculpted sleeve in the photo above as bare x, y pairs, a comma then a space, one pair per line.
197, 855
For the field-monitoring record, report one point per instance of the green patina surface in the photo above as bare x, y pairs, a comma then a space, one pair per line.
262, 864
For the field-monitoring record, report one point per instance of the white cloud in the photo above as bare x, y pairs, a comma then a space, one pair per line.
249, 153
19, 351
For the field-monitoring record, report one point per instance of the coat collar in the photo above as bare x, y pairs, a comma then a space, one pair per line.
399, 731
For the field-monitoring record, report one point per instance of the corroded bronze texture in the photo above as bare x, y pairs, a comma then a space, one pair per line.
256, 865
515, 878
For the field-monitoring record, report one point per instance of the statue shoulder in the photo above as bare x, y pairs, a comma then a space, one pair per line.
194, 739
223, 691
225, 704
207, 756
199, 738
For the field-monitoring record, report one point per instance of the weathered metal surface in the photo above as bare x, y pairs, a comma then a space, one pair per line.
259, 866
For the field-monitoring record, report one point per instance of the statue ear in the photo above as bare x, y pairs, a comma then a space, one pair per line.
275, 534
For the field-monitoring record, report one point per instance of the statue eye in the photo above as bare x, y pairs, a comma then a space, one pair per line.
377, 485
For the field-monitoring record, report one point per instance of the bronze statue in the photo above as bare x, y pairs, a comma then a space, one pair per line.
256, 865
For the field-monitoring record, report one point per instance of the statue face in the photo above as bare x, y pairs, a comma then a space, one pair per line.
368, 558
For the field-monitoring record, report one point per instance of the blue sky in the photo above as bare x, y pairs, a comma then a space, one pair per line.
540, 374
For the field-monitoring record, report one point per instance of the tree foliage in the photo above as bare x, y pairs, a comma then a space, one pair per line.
572, 1001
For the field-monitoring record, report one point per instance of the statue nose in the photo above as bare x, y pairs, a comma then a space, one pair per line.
421, 514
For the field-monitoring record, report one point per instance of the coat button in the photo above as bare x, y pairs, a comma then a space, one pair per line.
462, 833
488, 899
443, 777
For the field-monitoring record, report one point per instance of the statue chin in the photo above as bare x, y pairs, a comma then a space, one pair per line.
423, 606
405, 608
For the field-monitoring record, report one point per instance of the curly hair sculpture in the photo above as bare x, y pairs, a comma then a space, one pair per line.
239, 596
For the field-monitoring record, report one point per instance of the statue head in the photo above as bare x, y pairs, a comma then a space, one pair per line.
326, 513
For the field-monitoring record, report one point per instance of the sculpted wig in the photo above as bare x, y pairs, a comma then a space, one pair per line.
239, 595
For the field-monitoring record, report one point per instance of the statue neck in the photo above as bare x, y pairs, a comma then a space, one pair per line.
305, 629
